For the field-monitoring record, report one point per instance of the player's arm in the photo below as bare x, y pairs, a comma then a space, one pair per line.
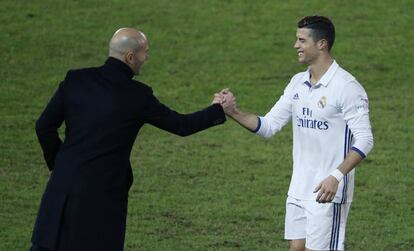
351, 161
246, 119
265, 126
363, 144
356, 114
329, 186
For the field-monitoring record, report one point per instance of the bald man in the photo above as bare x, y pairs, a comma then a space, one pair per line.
84, 206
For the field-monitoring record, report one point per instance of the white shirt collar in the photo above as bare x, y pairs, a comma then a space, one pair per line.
325, 79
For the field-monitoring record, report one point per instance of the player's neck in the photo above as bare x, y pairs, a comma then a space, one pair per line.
319, 67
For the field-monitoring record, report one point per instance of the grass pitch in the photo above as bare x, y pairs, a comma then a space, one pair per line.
221, 189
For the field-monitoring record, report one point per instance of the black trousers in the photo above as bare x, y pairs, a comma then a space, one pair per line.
35, 247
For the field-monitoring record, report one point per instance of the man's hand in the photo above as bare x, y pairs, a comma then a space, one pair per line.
327, 189
217, 99
226, 99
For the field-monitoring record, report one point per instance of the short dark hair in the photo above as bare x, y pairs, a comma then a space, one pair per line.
321, 28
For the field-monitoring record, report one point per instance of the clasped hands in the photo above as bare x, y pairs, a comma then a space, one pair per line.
227, 100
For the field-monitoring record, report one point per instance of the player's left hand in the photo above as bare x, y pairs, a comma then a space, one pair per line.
327, 189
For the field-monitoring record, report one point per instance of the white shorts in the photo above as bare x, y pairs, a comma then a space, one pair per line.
321, 225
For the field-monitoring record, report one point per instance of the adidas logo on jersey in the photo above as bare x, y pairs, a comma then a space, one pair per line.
296, 96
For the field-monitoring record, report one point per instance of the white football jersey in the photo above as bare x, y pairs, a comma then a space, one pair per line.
328, 119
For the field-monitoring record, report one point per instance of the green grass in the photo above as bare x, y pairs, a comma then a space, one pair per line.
221, 189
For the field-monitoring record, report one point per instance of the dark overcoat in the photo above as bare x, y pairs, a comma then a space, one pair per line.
84, 206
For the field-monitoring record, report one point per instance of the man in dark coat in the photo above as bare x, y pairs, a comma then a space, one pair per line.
84, 206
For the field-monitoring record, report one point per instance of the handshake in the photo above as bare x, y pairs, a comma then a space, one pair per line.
227, 100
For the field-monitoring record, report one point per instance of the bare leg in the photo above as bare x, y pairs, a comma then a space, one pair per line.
297, 245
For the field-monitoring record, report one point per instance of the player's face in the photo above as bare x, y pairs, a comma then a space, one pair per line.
305, 46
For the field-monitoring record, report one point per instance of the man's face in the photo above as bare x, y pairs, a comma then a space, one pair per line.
305, 46
139, 58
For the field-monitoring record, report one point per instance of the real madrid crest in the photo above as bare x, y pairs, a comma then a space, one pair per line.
322, 102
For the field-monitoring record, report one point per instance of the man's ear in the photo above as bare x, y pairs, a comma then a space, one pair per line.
322, 44
129, 57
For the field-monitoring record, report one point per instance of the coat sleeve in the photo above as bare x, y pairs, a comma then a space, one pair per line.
47, 127
159, 115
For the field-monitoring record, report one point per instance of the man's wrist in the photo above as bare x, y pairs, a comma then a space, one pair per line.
233, 112
337, 174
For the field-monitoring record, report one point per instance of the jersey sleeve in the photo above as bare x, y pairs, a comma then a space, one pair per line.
278, 116
355, 108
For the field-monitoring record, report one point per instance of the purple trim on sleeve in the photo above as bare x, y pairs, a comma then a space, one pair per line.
359, 152
259, 124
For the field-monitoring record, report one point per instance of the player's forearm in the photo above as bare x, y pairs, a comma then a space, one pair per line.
350, 162
246, 119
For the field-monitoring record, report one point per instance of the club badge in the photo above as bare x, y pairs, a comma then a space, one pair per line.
322, 102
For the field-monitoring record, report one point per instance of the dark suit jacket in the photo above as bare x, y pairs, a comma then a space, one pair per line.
84, 206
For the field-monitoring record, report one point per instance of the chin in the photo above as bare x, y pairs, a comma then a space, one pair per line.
301, 61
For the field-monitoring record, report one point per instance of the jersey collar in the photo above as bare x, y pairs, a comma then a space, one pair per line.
326, 78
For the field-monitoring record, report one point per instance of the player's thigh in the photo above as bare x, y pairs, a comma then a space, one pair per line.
295, 220
325, 229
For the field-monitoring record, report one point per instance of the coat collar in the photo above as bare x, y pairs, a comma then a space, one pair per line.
120, 66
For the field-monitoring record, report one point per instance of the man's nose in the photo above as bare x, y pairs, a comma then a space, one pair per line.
296, 45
